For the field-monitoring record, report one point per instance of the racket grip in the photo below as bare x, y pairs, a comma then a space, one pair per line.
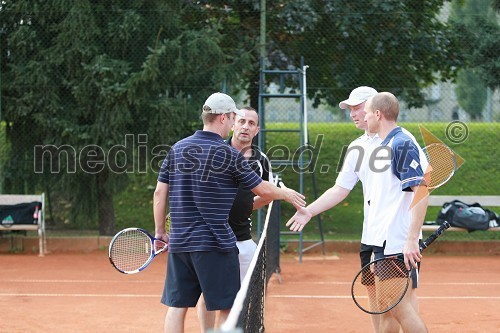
434, 235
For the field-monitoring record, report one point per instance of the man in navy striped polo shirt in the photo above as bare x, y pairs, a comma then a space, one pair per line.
240, 217
198, 182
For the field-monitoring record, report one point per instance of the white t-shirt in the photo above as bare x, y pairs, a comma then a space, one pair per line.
356, 167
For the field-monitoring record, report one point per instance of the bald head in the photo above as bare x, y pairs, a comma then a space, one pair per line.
388, 105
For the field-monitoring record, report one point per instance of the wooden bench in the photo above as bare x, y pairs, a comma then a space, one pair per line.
440, 200
13, 199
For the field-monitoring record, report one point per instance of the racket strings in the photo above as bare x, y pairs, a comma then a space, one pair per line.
381, 285
443, 164
131, 250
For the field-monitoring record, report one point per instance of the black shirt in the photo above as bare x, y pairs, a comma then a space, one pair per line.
241, 211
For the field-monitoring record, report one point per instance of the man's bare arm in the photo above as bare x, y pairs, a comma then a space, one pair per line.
411, 250
160, 204
332, 197
270, 192
259, 202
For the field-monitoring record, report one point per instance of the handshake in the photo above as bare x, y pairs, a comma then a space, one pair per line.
302, 216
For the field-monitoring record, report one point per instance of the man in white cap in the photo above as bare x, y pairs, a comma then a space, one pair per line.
197, 183
356, 103
355, 167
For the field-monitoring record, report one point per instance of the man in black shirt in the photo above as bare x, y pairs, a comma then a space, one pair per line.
244, 130
240, 217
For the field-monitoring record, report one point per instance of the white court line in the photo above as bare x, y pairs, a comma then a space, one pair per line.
271, 296
459, 283
420, 283
78, 295
349, 297
77, 281
285, 282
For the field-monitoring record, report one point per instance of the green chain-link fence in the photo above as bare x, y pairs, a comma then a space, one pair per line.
93, 93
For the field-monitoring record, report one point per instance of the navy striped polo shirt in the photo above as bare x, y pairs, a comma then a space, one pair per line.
203, 173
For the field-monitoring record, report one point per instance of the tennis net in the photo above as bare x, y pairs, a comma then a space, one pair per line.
247, 313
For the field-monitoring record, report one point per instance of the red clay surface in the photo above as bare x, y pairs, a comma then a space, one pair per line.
83, 293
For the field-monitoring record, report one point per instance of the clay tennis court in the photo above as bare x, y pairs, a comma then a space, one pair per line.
83, 293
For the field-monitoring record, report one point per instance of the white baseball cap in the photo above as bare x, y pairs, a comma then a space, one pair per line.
358, 96
221, 103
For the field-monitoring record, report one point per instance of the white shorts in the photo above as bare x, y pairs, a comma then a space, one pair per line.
247, 249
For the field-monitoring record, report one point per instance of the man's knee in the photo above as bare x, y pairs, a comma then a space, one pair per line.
177, 312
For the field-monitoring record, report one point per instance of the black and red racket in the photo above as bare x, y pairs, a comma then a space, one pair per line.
381, 284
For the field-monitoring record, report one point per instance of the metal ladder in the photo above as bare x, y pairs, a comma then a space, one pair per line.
303, 140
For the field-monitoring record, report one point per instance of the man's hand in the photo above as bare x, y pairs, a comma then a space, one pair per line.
411, 253
162, 235
294, 197
299, 220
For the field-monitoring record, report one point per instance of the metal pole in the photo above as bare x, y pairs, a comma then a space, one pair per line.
2, 31
263, 30
304, 85
260, 137
487, 115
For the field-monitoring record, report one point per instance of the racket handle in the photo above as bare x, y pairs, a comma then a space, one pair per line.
434, 235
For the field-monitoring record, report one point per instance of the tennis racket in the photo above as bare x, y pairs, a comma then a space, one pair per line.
132, 250
443, 162
381, 285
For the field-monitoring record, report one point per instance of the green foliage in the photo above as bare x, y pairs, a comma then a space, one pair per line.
471, 93
476, 22
470, 88
391, 45
85, 74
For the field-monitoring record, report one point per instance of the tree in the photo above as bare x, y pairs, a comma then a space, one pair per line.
390, 45
239, 22
484, 57
477, 23
496, 5
471, 93
83, 74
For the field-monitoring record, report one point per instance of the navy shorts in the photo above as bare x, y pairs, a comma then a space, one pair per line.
379, 253
216, 274
365, 254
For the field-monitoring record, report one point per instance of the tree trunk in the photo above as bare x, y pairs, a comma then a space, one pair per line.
106, 211
253, 90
